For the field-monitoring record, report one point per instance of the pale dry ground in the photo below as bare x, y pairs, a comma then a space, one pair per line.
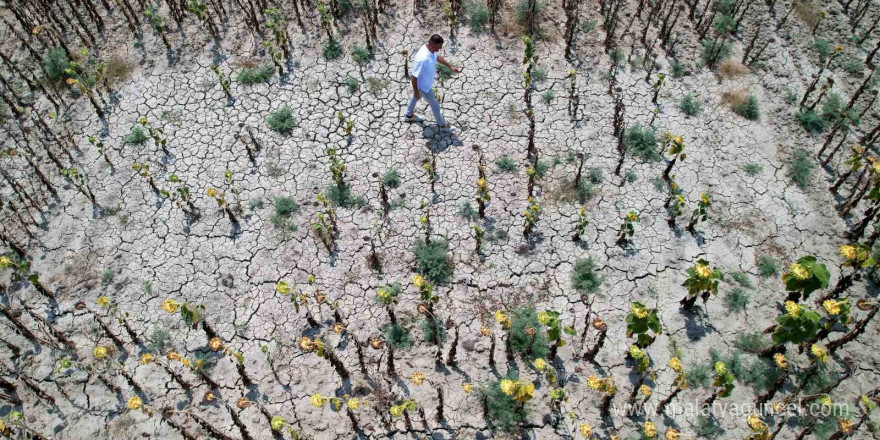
234, 273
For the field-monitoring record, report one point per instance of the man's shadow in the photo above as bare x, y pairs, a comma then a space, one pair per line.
439, 140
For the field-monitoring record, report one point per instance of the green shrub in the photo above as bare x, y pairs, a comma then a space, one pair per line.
811, 121
539, 73
523, 12
504, 412
631, 176
433, 260
584, 277
432, 327
342, 196
541, 168
823, 47
752, 342
376, 84
697, 376
853, 67
617, 57
791, 96
361, 54
466, 210
158, 340
584, 191
800, 168
353, 84
284, 208
249, 76
547, 97
331, 50
833, 109
505, 164
54, 62
107, 276
281, 121
391, 178
742, 279
753, 169
136, 136
528, 346
642, 143
690, 106
749, 109
679, 69
708, 428
443, 72
736, 300
814, 378
761, 374
595, 176
396, 336
714, 52
478, 16
767, 266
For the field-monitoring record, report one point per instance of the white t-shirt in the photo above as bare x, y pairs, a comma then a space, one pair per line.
424, 67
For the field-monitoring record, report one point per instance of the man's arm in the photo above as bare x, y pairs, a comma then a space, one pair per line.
415, 85
442, 61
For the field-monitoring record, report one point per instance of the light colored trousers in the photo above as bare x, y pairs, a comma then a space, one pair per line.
432, 101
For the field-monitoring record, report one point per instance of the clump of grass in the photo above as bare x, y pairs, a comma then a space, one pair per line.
761, 374
107, 277
753, 169
523, 11
811, 121
391, 178
658, 183
742, 279
736, 300
823, 47
433, 328
477, 17
117, 69
396, 336
376, 84
528, 346
745, 106
767, 266
331, 50
505, 164
342, 196
547, 97
361, 54
732, 69
631, 176
752, 342
466, 210
136, 136
642, 143
352, 84
679, 69
595, 176
539, 73
697, 376
158, 340
714, 52
284, 208
505, 413
800, 168
281, 121
853, 66
690, 106
584, 277
255, 75
433, 260
54, 62
708, 427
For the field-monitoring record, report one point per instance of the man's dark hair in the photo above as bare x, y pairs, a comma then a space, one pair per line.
436, 39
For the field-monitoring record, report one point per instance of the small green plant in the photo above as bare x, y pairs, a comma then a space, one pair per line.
547, 97
107, 277
433, 330
539, 73
433, 260
854, 67
823, 47
352, 84
749, 109
478, 16
54, 63
527, 337
679, 69
466, 210
505, 164
811, 121
284, 208
797, 325
361, 54
158, 340
331, 50
690, 105
397, 336
524, 11
702, 282
391, 178
584, 277
698, 376
742, 279
767, 266
805, 276
255, 75
281, 121
642, 143
502, 407
753, 169
715, 51
631, 176
737, 300
627, 228
136, 136
376, 84
800, 167
641, 319
595, 176
752, 342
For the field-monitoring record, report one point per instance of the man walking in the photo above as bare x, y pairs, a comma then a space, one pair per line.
424, 69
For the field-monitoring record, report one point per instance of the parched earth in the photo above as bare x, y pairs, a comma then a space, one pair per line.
139, 249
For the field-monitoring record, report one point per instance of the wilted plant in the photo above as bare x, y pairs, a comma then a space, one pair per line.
702, 282
158, 24
626, 229
156, 134
100, 147
531, 216
581, 224
550, 320
325, 225
80, 181
190, 314
641, 319
220, 198
223, 79
723, 381
675, 147
701, 213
